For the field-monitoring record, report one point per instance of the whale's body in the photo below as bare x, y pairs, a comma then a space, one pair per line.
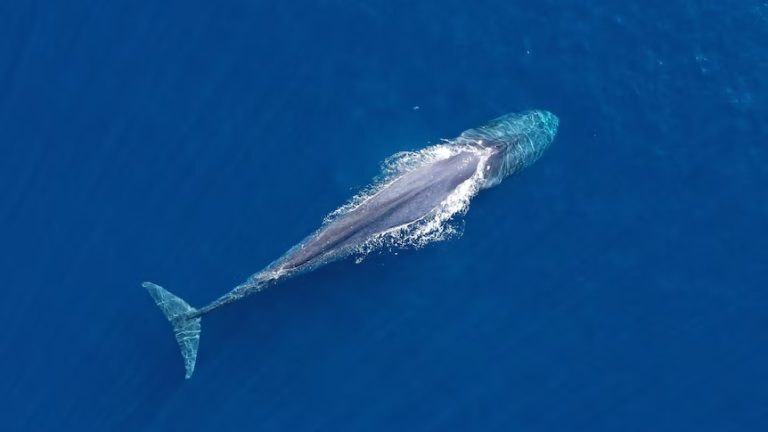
410, 206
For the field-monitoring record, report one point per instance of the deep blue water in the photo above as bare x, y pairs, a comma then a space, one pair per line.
621, 283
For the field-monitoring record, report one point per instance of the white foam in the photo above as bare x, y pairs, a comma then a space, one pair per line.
392, 168
441, 223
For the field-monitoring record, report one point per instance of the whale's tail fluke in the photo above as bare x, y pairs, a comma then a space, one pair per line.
185, 327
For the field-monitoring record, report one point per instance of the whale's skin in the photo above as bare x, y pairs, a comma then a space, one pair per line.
478, 159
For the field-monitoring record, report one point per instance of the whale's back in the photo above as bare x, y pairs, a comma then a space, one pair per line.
408, 198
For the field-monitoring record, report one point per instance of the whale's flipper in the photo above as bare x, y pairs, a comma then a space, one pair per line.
186, 329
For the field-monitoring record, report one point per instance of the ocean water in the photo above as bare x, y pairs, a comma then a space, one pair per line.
620, 283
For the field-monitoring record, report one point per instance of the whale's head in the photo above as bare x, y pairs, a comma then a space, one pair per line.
513, 142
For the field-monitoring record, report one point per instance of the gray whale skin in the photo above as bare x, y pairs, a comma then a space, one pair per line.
422, 192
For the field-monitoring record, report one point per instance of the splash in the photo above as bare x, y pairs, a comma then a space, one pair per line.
392, 168
440, 224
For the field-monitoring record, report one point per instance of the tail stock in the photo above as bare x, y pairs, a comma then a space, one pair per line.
185, 327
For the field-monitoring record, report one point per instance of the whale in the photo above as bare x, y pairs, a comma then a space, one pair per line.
415, 201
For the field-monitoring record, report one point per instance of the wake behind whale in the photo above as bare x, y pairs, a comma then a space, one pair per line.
411, 204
